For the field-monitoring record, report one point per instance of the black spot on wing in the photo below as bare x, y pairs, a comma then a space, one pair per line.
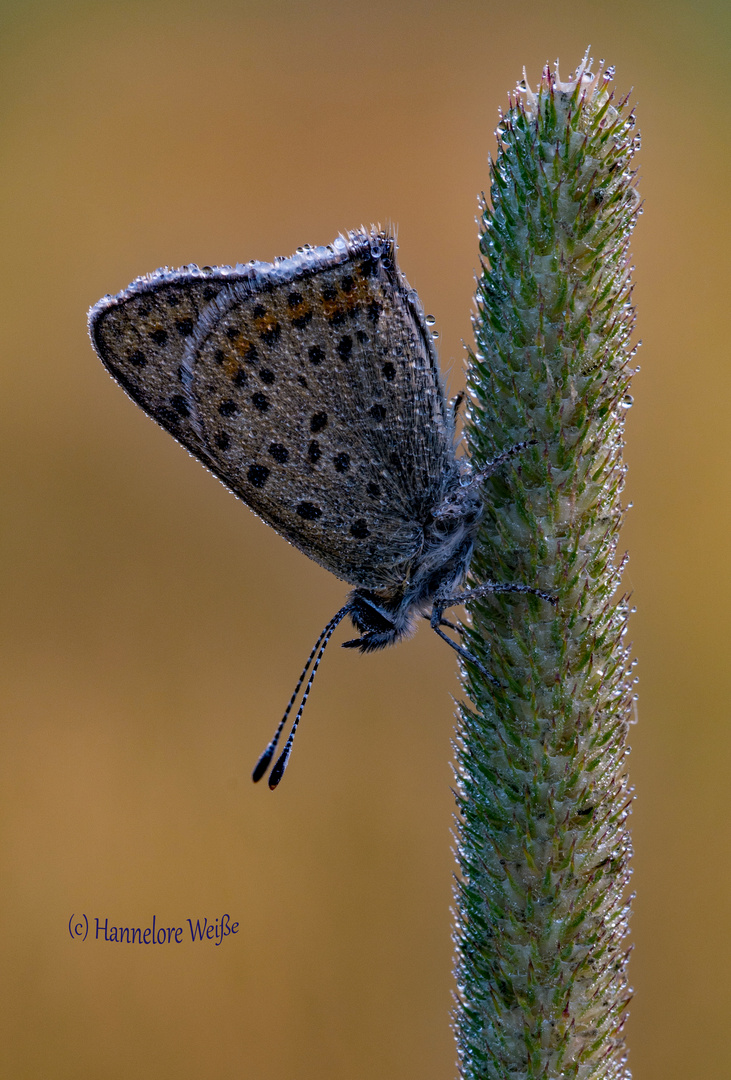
279, 452
308, 511
257, 475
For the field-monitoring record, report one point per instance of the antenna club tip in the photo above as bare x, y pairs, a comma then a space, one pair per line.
278, 771
261, 766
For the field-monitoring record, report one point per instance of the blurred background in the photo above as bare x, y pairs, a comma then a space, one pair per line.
153, 629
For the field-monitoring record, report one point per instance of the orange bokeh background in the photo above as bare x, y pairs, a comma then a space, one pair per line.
153, 628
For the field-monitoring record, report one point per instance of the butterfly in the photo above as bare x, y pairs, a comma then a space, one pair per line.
311, 388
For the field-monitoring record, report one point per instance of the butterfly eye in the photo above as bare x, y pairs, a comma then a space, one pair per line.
445, 524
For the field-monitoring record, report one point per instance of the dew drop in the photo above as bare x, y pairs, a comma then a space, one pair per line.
430, 320
627, 401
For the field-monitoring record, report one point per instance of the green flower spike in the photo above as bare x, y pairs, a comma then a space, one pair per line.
543, 795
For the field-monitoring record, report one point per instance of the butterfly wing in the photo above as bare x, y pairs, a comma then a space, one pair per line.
310, 387
140, 336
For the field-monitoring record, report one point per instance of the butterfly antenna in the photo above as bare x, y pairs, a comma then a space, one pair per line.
318, 649
281, 764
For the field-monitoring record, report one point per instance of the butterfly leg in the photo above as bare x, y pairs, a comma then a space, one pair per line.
440, 603
445, 622
493, 587
456, 403
512, 451
437, 622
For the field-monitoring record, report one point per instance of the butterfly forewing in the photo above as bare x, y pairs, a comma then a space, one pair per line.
309, 386
141, 334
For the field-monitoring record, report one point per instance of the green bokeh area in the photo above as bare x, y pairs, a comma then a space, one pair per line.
153, 629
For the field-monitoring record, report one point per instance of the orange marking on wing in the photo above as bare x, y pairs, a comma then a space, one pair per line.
241, 347
265, 324
231, 365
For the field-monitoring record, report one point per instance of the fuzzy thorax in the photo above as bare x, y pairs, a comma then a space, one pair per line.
386, 616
